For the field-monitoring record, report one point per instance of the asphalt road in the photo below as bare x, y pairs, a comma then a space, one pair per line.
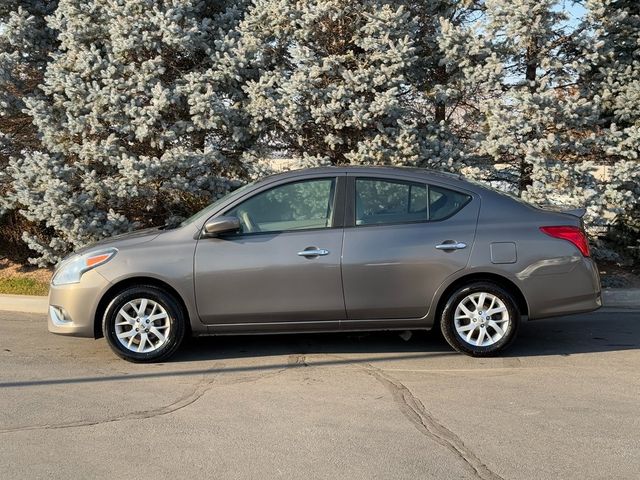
563, 403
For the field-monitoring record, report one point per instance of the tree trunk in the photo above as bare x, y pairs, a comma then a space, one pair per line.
532, 64
526, 168
441, 78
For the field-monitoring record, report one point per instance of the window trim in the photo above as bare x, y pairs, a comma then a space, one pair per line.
338, 206
350, 207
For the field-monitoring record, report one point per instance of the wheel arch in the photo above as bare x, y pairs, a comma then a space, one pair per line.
504, 282
118, 287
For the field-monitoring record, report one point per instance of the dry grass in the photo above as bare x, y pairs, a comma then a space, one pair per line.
18, 279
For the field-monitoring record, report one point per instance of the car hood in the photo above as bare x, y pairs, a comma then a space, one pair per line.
124, 240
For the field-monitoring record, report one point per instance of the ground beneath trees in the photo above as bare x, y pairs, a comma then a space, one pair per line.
20, 279
613, 275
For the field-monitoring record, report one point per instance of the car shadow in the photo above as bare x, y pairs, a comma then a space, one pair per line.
601, 331
421, 344
607, 330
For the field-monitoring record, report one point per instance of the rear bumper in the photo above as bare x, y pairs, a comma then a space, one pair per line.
72, 308
576, 290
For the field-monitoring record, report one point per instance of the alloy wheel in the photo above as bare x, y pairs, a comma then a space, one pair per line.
481, 319
142, 325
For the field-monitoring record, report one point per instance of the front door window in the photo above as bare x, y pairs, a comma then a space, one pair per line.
299, 205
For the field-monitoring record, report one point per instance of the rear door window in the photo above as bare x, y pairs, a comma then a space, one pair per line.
381, 201
386, 201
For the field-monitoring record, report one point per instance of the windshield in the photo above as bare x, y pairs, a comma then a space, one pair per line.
211, 208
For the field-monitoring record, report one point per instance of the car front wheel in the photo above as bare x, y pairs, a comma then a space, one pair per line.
480, 319
144, 324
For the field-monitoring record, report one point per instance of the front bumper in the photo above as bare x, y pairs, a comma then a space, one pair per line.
72, 308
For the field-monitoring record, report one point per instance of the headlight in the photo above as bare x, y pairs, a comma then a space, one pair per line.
72, 269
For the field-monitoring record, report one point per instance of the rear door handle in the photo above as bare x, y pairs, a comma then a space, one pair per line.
314, 252
451, 246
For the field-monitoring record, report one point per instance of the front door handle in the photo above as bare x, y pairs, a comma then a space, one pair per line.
451, 246
314, 252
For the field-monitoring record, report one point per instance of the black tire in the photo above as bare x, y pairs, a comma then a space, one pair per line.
453, 338
176, 319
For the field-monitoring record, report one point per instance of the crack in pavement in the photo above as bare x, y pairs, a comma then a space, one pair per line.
195, 393
415, 411
185, 400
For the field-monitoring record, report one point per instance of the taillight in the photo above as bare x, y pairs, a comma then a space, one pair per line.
573, 234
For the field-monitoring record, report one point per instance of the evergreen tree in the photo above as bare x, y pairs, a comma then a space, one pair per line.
613, 83
442, 96
25, 45
329, 80
124, 141
532, 121
148, 110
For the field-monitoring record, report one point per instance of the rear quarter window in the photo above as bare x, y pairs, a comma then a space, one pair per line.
444, 203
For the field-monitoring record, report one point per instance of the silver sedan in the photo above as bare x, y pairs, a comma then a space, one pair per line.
333, 249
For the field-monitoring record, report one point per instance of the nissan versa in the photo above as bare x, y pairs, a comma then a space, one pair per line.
332, 249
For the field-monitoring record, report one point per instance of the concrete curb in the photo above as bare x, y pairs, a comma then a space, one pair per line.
621, 297
611, 297
24, 303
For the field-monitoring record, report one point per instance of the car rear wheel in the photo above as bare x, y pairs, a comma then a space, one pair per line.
144, 324
480, 319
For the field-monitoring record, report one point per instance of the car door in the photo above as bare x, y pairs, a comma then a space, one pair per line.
284, 263
402, 239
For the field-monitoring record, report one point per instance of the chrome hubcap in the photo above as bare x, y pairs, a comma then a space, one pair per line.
142, 325
481, 319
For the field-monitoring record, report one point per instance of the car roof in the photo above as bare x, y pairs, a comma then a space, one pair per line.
370, 170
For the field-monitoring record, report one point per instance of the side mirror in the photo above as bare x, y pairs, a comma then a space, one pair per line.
215, 226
